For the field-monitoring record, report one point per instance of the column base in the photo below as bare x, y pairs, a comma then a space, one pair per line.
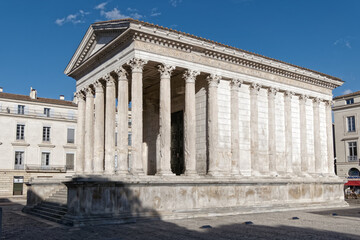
165, 173
122, 172
190, 173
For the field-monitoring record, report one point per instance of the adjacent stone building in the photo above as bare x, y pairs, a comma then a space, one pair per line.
346, 121
37, 140
215, 129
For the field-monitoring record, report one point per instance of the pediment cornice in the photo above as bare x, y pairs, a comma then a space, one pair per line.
185, 42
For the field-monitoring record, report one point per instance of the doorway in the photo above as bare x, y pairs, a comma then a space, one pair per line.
177, 143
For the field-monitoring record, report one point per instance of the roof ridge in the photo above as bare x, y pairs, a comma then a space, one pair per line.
214, 42
347, 95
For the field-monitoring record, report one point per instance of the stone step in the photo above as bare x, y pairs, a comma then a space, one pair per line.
48, 213
54, 204
45, 217
51, 209
56, 207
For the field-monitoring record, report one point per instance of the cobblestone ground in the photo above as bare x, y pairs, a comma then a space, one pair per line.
337, 224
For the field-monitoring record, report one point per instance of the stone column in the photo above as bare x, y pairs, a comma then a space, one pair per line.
317, 143
254, 125
303, 134
110, 124
123, 105
288, 131
190, 122
213, 131
329, 137
272, 130
235, 151
80, 133
164, 163
89, 131
99, 134
137, 114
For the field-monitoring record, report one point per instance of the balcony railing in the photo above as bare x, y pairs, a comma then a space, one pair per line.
42, 168
39, 113
352, 159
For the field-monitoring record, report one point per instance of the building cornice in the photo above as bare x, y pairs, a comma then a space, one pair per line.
188, 43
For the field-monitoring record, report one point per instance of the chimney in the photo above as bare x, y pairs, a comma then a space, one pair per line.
62, 97
33, 93
1, 89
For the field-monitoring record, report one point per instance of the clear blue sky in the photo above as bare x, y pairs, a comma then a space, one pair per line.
39, 37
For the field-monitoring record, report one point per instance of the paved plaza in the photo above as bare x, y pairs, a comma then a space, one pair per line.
306, 224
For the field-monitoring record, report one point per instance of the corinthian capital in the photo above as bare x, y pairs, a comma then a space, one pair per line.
316, 100
255, 87
122, 73
137, 64
110, 81
272, 91
89, 91
98, 86
80, 95
213, 80
289, 94
165, 70
329, 103
303, 97
235, 83
190, 75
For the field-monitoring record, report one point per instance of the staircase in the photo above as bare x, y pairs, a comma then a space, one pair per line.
53, 208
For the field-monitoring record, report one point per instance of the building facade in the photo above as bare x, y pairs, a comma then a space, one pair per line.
346, 121
213, 127
37, 139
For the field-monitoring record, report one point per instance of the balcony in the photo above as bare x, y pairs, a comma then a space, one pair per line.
352, 159
39, 113
42, 168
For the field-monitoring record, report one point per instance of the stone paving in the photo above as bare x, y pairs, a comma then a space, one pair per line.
311, 224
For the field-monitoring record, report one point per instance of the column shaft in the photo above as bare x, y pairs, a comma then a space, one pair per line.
89, 131
288, 131
272, 130
254, 125
317, 143
190, 122
80, 133
213, 131
123, 103
329, 136
235, 151
137, 114
99, 129
303, 134
110, 125
164, 166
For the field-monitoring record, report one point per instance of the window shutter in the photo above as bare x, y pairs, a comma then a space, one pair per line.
16, 109
26, 110
71, 114
70, 135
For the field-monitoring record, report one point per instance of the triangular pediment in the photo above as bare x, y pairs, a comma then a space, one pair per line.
97, 36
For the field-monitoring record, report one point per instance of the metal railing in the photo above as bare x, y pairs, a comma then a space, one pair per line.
44, 168
352, 159
40, 114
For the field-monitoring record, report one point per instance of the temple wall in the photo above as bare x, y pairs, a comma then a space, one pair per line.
296, 149
263, 131
201, 126
280, 131
310, 135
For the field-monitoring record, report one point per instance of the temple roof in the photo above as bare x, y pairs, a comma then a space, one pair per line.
101, 34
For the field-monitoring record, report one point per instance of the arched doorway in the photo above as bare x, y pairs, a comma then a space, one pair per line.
354, 172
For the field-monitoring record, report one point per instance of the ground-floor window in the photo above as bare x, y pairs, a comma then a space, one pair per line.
19, 160
352, 151
45, 159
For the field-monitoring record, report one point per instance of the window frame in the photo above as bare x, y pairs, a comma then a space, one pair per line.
18, 165
352, 151
67, 135
20, 131
47, 159
47, 112
351, 123
21, 109
46, 134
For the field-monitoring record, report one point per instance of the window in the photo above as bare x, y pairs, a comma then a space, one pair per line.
19, 160
351, 123
47, 112
70, 135
116, 139
354, 172
352, 151
350, 101
20, 131
69, 161
21, 109
46, 134
129, 139
45, 159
